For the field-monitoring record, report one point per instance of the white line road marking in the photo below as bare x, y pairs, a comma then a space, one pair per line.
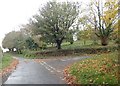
63, 79
65, 60
46, 67
41, 63
58, 71
50, 68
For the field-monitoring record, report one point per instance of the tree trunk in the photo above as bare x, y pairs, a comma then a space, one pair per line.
71, 42
104, 41
58, 44
19, 51
10, 49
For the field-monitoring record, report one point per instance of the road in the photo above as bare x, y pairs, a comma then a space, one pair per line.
47, 71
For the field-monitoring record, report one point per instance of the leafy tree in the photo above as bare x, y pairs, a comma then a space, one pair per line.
38, 39
54, 20
8, 41
105, 17
87, 31
33, 32
31, 44
115, 35
14, 40
84, 35
88, 24
19, 41
69, 36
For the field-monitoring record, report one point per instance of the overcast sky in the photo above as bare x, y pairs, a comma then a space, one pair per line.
13, 13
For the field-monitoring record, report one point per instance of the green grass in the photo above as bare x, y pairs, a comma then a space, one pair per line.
100, 69
6, 60
80, 44
76, 44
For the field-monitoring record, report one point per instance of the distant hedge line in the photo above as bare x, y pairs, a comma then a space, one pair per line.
68, 52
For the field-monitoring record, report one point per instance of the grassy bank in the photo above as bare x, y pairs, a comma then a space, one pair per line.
6, 60
100, 69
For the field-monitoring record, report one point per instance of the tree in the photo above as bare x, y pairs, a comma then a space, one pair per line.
54, 20
88, 24
8, 41
105, 16
14, 40
69, 36
84, 35
115, 35
38, 39
33, 32
87, 31
31, 44
19, 41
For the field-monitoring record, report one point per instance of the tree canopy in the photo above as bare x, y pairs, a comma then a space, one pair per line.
14, 40
54, 21
103, 17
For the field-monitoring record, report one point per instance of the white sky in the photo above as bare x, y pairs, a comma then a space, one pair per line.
13, 13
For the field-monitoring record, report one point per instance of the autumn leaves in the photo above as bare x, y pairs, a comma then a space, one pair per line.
101, 69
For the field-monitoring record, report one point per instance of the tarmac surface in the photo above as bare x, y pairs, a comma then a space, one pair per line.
47, 71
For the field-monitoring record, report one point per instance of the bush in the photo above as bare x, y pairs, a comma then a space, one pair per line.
28, 53
44, 45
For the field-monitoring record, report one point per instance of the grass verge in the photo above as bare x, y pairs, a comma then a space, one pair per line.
7, 66
100, 69
6, 60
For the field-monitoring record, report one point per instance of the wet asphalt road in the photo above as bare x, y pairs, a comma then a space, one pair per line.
44, 72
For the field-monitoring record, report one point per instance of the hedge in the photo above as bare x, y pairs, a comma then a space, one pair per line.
79, 51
